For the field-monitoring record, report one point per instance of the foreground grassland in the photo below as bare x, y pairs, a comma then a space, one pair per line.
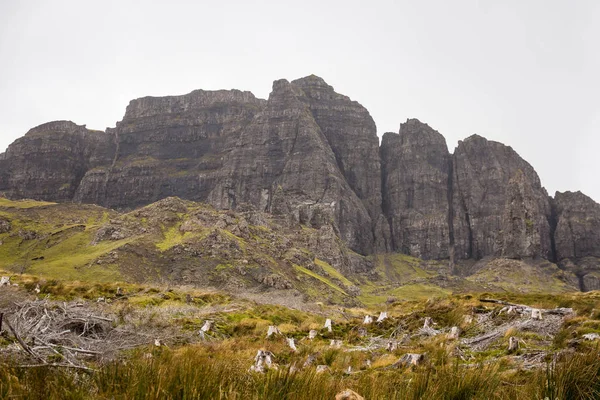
108, 305
552, 362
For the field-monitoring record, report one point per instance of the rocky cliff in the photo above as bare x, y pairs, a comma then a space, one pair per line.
311, 155
499, 205
50, 160
577, 237
416, 169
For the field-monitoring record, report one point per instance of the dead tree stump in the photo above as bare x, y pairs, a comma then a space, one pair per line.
513, 344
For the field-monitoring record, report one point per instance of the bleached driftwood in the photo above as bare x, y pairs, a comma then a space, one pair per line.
328, 324
382, 316
312, 334
273, 330
368, 319
263, 361
291, 344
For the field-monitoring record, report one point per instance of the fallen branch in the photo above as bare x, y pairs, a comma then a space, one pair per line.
22, 343
555, 311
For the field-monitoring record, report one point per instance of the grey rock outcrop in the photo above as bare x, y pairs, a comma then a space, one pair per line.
283, 163
577, 237
169, 146
49, 162
577, 231
499, 205
352, 135
415, 167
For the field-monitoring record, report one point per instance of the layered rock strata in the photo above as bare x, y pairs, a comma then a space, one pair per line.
312, 155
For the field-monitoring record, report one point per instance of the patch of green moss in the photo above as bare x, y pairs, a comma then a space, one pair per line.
319, 278
23, 203
333, 272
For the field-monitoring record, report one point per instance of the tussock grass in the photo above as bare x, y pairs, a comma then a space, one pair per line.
193, 373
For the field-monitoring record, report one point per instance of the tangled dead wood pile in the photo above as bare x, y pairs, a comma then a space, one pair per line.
64, 334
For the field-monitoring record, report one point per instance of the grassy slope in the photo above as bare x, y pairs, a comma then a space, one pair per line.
65, 232
62, 245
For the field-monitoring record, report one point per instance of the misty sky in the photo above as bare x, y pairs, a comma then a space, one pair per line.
525, 73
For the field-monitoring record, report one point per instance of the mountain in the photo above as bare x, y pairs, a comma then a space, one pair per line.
311, 156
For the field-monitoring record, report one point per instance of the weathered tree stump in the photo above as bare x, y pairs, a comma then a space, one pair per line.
310, 360
207, 326
348, 394
291, 344
263, 361
391, 345
322, 368
409, 359
454, 333
513, 344
273, 330
382, 316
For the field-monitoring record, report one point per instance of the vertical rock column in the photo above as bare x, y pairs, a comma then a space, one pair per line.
499, 205
415, 169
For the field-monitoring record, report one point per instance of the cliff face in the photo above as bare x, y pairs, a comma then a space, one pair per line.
283, 163
499, 205
416, 168
49, 162
577, 237
169, 146
312, 155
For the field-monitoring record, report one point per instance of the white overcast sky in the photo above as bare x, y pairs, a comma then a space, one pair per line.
522, 72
